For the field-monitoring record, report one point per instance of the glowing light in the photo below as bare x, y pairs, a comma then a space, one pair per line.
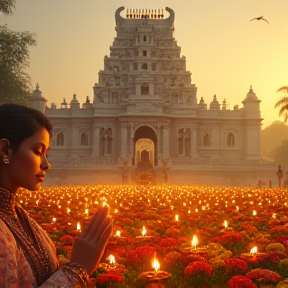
118, 233
86, 211
104, 204
54, 219
112, 259
225, 224
78, 227
156, 264
177, 217
254, 250
144, 231
68, 210
254, 213
194, 242
274, 216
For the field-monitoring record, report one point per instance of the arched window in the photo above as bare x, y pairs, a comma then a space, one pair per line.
206, 139
60, 139
144, 38
145, 66
144, 89
84, 139
230, 139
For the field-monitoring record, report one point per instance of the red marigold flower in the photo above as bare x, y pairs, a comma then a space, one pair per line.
132, 257
198, 267
168, 242
264, 275
67, 239
144, 251
241, 281
232, 263
173, 257
109, 277
232, 237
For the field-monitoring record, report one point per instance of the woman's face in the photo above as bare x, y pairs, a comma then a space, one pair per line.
28, 165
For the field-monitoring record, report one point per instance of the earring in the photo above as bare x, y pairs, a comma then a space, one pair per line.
6, 159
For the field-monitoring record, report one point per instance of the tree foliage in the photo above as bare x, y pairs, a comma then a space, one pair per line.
283, 103
14, 59
7, 6
281, 153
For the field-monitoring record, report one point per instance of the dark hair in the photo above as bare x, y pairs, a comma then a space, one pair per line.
19, 122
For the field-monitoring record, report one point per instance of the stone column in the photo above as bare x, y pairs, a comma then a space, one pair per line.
105, 143
95, 141
193, 142
166, 141
124, 140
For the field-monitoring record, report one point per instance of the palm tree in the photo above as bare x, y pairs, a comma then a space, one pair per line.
6, 6
283, 103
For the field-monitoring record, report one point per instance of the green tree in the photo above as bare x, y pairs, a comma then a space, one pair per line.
7, 6
15, 83
281, 155
283, 103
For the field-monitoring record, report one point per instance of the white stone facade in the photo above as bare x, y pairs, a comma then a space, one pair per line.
144, 95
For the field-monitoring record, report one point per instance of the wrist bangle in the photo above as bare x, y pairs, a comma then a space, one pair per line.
76, 273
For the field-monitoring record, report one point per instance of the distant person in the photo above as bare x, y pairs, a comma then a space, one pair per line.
280, 175
28, 256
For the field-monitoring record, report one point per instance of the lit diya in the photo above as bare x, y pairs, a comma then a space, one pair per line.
195, 249
226, 229
254, 255
154, 277
118, 239
112, 266
144, 236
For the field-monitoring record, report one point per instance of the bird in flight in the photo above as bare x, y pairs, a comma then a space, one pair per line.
260, 18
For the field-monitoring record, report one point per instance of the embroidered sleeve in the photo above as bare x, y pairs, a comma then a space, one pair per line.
15, 272
8, 260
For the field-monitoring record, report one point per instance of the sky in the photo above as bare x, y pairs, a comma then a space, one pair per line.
225, 52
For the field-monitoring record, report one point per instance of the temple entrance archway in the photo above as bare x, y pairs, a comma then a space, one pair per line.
145, 139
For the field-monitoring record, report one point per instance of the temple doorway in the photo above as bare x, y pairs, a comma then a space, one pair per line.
145, 139
144, 148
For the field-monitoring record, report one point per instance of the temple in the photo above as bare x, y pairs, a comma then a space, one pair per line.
144, 100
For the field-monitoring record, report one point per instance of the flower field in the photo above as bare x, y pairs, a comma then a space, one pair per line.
240, 235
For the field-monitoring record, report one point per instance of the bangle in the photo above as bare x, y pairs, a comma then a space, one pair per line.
76, 273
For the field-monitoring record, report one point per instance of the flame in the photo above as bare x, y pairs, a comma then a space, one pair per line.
254, 212
54, 219
118, 233
144, 231
86, 211
78, 227
156, 264
177, 217
225, 224
194, 241
253, 250
112, 259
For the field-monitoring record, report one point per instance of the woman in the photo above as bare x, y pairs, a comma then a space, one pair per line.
27, 255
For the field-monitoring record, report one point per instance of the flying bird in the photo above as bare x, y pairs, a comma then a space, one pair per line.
260, 18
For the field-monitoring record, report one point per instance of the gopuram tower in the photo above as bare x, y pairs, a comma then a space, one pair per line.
145, 80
